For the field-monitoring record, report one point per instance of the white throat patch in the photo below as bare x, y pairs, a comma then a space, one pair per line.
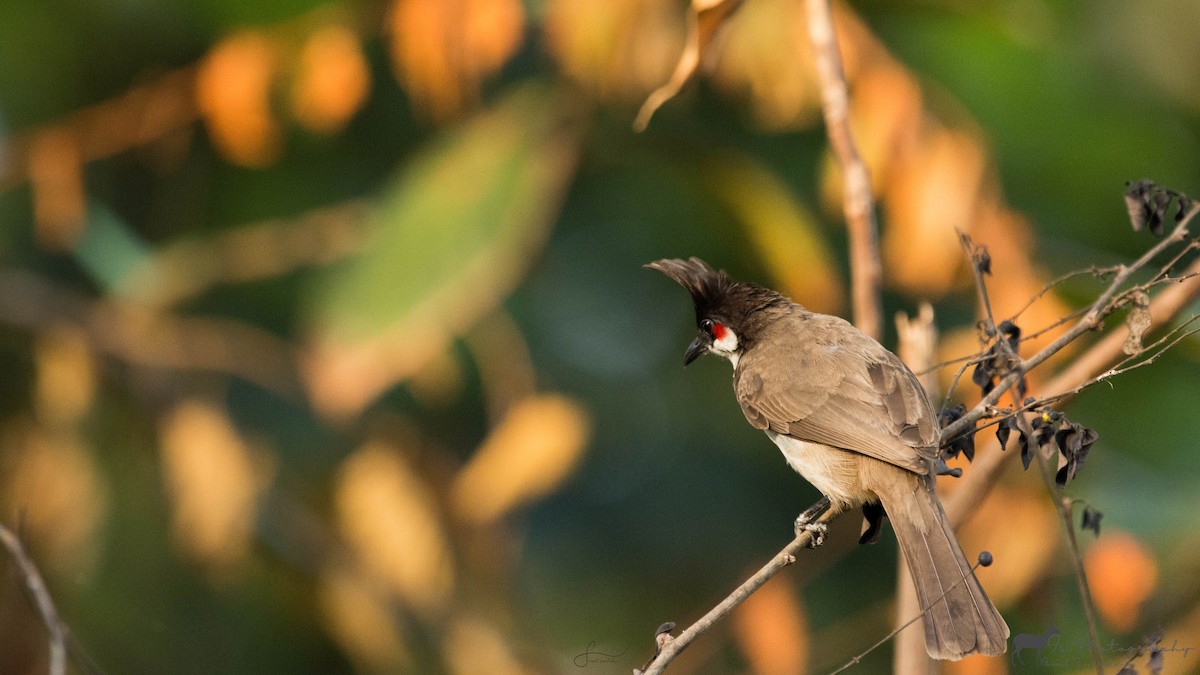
727, 346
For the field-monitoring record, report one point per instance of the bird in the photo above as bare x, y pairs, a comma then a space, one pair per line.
852, 419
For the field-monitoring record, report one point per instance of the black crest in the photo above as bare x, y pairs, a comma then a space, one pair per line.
716, 295
706, 286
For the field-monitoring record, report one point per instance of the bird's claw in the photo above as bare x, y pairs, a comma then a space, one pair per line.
817, 530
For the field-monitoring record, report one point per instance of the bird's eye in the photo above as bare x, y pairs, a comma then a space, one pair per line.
715, 329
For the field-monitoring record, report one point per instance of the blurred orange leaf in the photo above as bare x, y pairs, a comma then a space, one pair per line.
443, 50
616, 49
473, 646
1122, 573
332, 79
940, 191
56, 176
766, 61
771, 629
530, 453
705, 18
1023, 554
233, 94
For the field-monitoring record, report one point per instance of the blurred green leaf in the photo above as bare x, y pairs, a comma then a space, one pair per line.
452, 236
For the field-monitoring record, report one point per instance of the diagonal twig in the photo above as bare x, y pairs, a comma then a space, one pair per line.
41, 599
670, 647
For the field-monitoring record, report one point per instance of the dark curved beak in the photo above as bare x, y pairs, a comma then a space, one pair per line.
697, 349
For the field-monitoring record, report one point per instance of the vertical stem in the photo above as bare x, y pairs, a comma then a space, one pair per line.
858, 204
917, 344
1063, 506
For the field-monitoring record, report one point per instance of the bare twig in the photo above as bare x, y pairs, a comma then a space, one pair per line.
669, 646
858, 204
41, 597
1098, 272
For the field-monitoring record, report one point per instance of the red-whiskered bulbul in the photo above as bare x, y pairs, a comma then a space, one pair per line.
851, 419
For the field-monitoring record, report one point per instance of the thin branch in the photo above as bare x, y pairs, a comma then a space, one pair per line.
1165, 271
1098, 272
1158, 348
1063, 506
41, 597
858, 204
669, 647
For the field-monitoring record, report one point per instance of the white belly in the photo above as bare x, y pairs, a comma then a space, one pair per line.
831, 470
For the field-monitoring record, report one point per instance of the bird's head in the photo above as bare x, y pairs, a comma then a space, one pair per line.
728, 313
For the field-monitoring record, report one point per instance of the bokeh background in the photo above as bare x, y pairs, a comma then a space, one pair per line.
325, 346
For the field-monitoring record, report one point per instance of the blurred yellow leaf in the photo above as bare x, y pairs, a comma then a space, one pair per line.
332, 79
704, 20
66, 376
213, 483
771, 629
472, 646
233, 88
1122, 573
766, 61
442, 51
616, 49
388, 514
532, 451
361, 622
54, 483
451, 238
782, 231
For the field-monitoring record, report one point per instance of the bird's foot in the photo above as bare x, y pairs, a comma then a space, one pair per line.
817, 530
806, 522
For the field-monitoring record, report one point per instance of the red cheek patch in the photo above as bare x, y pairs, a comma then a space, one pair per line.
719, 331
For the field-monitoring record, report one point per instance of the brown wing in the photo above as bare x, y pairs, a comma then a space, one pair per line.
846, 391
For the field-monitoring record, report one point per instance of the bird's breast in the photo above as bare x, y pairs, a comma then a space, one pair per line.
833, 471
